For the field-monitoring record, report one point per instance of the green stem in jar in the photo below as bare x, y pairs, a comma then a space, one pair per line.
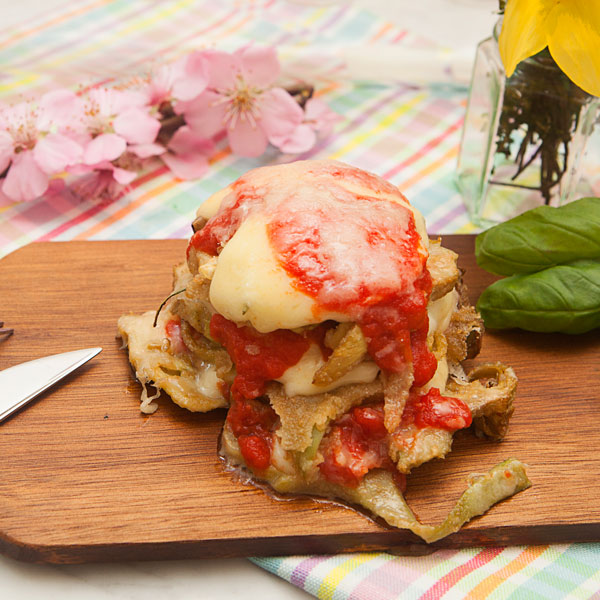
541, 108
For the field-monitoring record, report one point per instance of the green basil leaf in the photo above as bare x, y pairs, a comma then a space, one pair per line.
565, 299
541, 238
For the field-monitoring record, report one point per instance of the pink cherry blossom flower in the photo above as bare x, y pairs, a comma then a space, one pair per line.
184, 79
118, 121
318, 119
319, 116
119, 174
241, 98
187, 154
96, 185
4, 199
105, 179
35, 144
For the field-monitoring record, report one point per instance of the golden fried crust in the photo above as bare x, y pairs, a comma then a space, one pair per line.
395, 393
347, 353
489, 391
411, 446
173, 374
465, 331
464, 334
300, 414
443, 269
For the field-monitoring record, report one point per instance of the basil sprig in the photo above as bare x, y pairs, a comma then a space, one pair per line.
540, 238
564, 298
552, 258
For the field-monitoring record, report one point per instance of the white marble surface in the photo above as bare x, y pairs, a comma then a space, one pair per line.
458, 24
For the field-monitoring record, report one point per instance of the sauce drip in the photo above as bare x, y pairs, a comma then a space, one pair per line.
261, 357
355, 444
253, 424
434, 410
358, 441
361, 257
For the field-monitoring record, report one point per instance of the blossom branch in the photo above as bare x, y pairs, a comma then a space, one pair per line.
172, 117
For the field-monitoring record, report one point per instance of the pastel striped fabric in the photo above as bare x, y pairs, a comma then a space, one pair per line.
408, 134
541, 572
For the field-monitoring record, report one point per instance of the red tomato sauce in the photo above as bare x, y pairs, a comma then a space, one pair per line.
393, 319
253, 423
173, 331
221, 227
358, 441
434, 410
260, 357
355, 444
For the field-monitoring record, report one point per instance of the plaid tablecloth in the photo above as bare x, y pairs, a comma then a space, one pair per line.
407, 132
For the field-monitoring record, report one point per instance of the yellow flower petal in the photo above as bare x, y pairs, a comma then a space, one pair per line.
523, 31
573, 29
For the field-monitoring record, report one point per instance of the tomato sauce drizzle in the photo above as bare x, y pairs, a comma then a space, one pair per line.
358, 441
221, 227
253, 423
355, 444
173, 332
393, 317
261, 357
434, 410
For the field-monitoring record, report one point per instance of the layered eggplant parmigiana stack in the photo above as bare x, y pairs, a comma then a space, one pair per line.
315, 307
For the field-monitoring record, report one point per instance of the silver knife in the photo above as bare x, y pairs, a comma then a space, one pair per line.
22, 383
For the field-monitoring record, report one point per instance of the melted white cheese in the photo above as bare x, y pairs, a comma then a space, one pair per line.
207, 382
297, 380
249, 284
440, 311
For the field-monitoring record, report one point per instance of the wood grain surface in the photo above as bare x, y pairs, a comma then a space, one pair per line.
84, 476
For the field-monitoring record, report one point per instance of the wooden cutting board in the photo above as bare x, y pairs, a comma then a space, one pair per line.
84, 476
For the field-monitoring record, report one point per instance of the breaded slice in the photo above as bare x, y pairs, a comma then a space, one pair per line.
189, 387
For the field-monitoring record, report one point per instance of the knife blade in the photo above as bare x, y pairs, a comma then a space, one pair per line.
22, 383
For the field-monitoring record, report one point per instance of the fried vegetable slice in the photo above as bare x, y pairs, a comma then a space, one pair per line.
190, 388
378, 494
334, 336
195, 312
300, 414
489, 391
396, 387
195, 305
412, 446
208, 352
442, 267
464, 334
350, 350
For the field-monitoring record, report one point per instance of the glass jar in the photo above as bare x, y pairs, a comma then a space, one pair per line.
524, 138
